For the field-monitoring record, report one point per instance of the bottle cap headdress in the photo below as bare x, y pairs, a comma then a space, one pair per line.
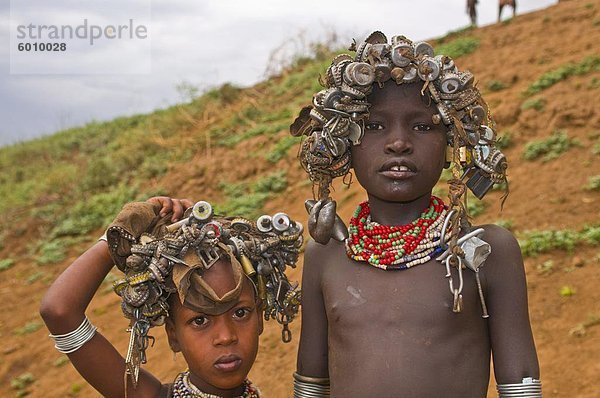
336, 119
173, 258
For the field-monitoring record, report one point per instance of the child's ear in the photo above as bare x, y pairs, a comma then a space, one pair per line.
172, 336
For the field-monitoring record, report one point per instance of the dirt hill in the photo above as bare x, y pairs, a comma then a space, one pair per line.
540, 73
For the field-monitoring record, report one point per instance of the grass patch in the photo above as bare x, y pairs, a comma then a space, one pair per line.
495, 85
507, 224
566, 291
61, 361
550, 148
475, 207
263, 129
247, 199
458, 47
94, 212
596, 147
545, 268
534, 103
281, 147
549, 79
22, 381
28, 328
505, 140
36, 276
536, 242
593, 183
455, 33
51, 252
6, 263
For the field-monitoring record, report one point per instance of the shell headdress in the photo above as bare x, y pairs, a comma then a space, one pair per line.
161, 265
336, 119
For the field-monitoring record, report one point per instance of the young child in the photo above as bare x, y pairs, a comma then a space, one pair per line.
209, 279
410, 300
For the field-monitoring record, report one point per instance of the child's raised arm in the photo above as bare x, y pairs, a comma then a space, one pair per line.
63, 310
513, 348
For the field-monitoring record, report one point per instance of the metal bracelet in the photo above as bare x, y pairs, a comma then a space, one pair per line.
72, 341
310, 387
103, 237
528, 388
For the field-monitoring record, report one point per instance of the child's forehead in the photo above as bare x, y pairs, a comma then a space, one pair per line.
403, 98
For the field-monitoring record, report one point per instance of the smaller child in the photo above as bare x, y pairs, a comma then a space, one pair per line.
208, 279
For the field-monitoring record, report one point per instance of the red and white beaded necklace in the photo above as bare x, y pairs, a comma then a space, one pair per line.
396, 247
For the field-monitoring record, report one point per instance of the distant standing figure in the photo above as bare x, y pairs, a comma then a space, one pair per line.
472, 10
502, 3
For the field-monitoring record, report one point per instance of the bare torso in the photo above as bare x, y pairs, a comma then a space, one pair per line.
378, 333
393, 333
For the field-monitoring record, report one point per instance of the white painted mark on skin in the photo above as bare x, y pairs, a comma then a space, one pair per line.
357, 299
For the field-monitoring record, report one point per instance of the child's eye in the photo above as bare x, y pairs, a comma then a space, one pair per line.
373, 126
421, 127
200, 321
241, 313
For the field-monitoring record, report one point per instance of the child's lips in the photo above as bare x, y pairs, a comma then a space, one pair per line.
398, 169
228, 363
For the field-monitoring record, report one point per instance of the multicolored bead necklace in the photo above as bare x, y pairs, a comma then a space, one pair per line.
396, 247
183, 388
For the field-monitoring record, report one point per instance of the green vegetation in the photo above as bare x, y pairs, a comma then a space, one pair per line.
28, 328
596, 147
453, 34
505, 140
475, 207
566, 291
458, 47
76, 388
536, 242
281, 148
61, 361
548, 79
534, 103
6, 263
508, 224
22, 381
550, 148
247, 199
593, 183
546, 267
495, 85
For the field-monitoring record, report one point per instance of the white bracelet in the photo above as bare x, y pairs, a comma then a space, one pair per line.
72, 341
528, 388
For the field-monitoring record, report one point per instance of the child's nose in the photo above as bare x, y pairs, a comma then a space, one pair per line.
399, 141
225, 333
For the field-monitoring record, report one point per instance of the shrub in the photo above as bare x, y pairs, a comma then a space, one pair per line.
548, 79
6, 263
495, 85
593, 183
549, 148
458, 47
280, 149
534, 103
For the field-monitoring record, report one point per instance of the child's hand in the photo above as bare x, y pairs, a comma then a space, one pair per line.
168, 205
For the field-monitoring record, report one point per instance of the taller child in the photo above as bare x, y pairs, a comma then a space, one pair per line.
379, 319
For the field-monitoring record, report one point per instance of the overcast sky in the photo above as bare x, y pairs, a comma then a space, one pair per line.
204, 43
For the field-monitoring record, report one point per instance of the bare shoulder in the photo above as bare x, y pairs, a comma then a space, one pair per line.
318, 258
505, 263
503, 243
